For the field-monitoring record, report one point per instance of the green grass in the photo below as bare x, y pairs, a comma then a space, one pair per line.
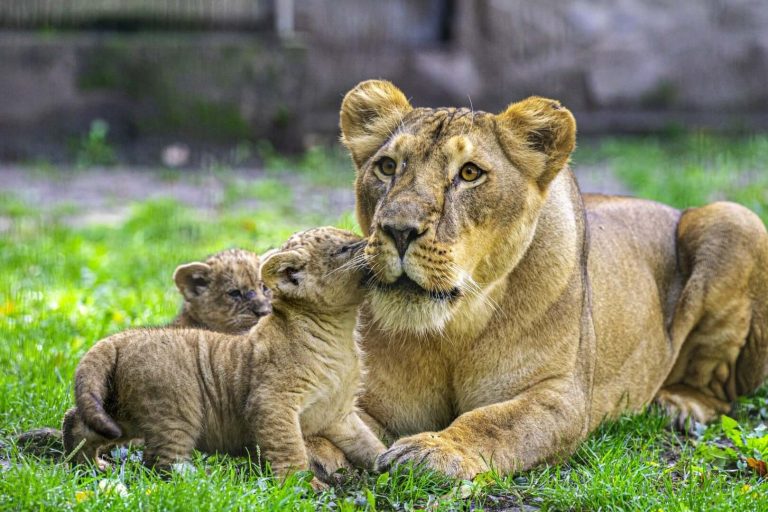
688, 170
62, 288
324, 166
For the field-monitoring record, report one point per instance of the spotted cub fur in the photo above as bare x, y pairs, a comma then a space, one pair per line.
294, 375
223, 294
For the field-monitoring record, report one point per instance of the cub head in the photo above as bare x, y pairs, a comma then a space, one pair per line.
449, 197
321, 267
225, 293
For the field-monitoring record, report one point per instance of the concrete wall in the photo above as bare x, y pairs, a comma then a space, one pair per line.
214, 73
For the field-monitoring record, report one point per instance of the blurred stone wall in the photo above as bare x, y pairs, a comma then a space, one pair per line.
604, 54
215, 72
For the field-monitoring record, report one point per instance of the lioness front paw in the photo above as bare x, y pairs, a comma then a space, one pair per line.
434, 451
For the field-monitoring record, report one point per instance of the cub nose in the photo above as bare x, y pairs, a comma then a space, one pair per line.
402, 235
262, 310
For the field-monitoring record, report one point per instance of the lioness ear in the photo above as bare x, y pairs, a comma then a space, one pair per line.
547, 133
283, 270
191, 279
369, 114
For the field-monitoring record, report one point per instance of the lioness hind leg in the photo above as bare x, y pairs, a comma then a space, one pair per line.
722, 249
752, 364
686, 405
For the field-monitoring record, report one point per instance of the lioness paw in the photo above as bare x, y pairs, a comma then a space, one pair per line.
432, 451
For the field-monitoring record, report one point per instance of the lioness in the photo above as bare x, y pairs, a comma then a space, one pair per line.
296, 373
509, 315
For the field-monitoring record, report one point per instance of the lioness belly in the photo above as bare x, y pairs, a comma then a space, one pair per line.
635, 284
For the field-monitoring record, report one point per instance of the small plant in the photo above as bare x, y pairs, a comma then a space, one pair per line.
93, 149
743, 448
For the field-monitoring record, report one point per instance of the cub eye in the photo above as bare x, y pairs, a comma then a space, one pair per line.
470, 172
250, 295
290, 274
387, 166
234, 294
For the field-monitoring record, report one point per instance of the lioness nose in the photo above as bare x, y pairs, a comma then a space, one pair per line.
402, 236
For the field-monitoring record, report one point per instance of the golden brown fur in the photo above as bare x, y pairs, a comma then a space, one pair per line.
223, 294
522, 314
296, 373
210, 302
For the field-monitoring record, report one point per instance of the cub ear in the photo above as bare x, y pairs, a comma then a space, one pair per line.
541, 133
263, 258
283, 270
192, 279
369, 114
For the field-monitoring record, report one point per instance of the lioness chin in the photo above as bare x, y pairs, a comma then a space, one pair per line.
523, 314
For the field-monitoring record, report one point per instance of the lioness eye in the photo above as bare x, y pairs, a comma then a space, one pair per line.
234, 293
387, 166
470, 172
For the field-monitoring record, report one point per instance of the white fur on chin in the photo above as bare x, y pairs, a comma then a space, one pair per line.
394, 311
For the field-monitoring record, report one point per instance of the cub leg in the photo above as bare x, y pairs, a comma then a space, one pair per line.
81, 443
276, 430
356, 440
325, 458
167, 449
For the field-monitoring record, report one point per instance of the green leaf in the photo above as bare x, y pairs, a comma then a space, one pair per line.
732, 430
371, 500
382, 480
758, 445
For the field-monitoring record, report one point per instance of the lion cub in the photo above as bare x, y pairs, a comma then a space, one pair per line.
295, 374
224, 294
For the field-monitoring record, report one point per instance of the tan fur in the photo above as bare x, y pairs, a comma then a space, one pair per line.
205, 288
223, 294
522, 315
295, 374
720, 319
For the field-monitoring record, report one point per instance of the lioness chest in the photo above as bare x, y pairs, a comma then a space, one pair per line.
410, 390
421, 386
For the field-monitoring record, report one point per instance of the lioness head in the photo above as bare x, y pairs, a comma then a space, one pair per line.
450, 197
320, 267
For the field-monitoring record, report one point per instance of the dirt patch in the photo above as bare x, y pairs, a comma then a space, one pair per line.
104, 196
